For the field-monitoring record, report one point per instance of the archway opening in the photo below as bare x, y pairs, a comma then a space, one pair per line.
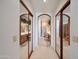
44, 33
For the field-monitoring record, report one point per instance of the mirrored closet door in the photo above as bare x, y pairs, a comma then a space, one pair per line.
62, 31
57, 35
30, 29
26, 31
66, 32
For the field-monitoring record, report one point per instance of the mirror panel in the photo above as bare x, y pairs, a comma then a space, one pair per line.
58, 43
26, 32
24, 35
30, 34
66, 33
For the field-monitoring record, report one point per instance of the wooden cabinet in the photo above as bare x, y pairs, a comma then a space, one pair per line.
24, 38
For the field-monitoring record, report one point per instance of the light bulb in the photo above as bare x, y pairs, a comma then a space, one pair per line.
44, 0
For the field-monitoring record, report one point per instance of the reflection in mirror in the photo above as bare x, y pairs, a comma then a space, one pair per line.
44, 30
30, 35
26, 32
24, 35
58, 34
26, 41
23, 32
66, 33
24, 28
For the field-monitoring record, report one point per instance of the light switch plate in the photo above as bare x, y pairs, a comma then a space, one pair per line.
14, 38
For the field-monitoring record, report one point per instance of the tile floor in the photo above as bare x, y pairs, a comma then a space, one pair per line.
44, 51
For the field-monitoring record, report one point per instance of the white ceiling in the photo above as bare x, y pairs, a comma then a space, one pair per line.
40, 6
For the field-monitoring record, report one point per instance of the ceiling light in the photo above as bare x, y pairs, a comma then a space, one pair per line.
44, 24
44, 0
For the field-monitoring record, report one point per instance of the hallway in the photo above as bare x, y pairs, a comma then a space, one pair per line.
43, 51
42, 36
38, 29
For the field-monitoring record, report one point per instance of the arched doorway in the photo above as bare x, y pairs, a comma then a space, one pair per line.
44, 27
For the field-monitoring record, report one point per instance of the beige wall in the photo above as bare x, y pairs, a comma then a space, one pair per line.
9, 48
74, 29
9, 28
73, 26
